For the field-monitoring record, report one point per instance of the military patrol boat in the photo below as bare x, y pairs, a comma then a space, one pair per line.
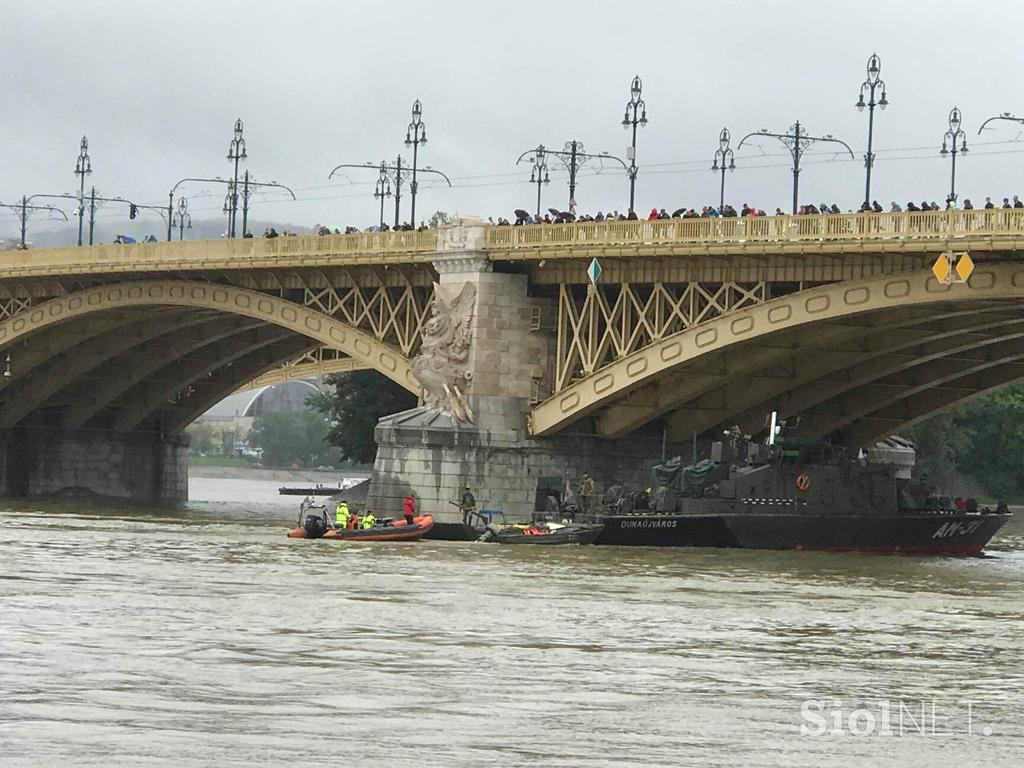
800, 494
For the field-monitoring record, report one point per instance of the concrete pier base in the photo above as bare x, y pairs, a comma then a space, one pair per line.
514, 338
425, 451
132, 465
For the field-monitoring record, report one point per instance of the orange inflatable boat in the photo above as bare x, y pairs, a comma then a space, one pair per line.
317, 527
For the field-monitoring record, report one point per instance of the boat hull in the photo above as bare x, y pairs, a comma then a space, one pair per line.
398, 532
571, 535
950, 534
453, 532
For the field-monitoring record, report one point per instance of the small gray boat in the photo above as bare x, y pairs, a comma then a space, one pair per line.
543, 533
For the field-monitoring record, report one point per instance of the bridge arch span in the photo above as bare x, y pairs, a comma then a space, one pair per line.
227, 299
653, 382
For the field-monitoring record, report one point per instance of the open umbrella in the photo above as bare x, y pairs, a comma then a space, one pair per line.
521, 214
679, 212
554, 212
567, 216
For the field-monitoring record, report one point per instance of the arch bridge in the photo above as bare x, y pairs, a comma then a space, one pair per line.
110, 351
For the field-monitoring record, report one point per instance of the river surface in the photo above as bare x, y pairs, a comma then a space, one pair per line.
203, 637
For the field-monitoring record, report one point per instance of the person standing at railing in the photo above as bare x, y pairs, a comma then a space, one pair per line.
968, 206
1017, 203
895, 207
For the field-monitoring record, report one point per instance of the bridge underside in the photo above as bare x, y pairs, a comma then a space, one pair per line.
139, 368
856, 381
854, 363
100, 383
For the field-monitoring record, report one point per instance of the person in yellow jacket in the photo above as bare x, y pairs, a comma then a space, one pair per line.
341, 515
369, 520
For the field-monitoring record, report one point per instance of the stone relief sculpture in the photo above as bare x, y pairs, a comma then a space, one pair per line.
442, 365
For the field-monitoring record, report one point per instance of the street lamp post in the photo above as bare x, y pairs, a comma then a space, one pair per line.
230, 200
83, 168
22, 208
573, 157
539, 172
950, 147
636, 115
382, 190
415, 135
236, 153
724, 161
796, 140
92, 212
182, 218
869, 87
394, 172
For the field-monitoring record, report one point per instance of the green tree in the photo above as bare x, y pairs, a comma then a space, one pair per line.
983, 439
202, 440
358, 400
438, 219
290, 437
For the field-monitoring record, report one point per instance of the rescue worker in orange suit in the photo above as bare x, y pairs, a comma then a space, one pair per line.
409, 508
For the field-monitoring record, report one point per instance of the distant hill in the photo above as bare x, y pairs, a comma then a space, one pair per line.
105, 232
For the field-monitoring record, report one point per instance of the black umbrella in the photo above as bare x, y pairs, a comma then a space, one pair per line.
521, 214
677, 213
568, 216
554, 212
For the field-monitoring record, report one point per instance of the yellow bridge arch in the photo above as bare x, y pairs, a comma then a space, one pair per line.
655, 381
224, 298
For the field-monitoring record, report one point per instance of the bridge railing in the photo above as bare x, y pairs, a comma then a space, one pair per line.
697, 231
241, 252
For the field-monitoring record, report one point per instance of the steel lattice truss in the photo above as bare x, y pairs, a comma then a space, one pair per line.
607, 323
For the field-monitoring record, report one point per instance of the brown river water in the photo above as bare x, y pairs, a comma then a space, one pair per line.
203, 637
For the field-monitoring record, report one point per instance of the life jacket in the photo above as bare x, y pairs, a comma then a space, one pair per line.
369, 520
409, 506
341, 515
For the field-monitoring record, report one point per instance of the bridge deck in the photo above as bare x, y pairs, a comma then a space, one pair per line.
1000, 229
285, 251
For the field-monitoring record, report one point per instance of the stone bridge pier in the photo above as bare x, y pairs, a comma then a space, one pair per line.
141, 466
431, 452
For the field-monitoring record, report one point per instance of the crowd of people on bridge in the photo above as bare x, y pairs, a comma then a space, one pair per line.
554, 216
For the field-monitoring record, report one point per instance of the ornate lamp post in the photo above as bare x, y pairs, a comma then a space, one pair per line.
796, 140
636, 115
83, 168
394, 173
950, 147
236, 153
869, 86
22, 208
539, 172
382, 189
415, 135
723, 161
182, 218
573, 157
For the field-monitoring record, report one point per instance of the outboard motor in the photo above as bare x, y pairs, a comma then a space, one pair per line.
315, 527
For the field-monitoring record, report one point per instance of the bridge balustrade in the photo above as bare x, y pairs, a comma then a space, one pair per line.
228, 253
843, 226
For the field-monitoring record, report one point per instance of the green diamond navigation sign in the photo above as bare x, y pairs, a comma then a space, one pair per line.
594, 271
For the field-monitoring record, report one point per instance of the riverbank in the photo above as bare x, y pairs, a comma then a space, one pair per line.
309, 476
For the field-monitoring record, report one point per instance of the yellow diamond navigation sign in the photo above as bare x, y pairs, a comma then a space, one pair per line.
964, 267
953, 267
941, 268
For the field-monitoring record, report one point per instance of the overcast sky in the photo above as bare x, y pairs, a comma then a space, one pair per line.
157, 87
